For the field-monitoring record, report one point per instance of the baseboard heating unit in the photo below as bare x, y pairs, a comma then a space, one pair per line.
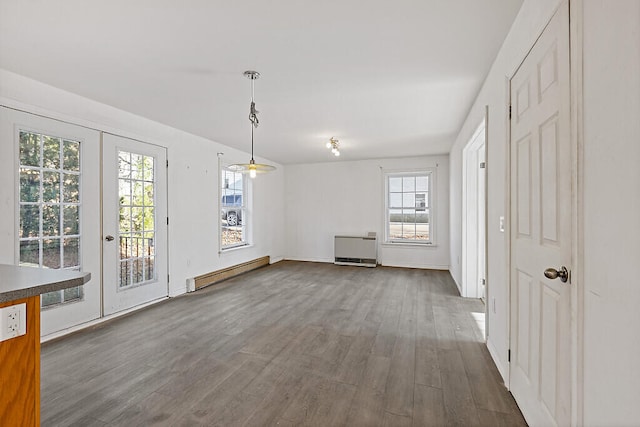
356, 250
225, 273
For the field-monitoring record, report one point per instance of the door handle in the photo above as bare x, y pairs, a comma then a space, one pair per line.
109, 238
552, 273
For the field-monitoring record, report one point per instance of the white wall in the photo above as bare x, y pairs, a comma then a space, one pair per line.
347, 197
529, 23
611, 212
193, 179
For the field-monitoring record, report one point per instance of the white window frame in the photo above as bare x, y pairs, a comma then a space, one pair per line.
431, 173
246, 217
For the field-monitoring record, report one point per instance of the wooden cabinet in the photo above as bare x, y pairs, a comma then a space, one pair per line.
20, 355
20, 371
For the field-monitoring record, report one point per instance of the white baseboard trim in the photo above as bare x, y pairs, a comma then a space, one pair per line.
276, 259
504, 370
176, 292
329, 260
455, 281
421, 266
98, 321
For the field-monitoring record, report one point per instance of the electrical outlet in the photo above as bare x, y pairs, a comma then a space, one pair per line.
13, 321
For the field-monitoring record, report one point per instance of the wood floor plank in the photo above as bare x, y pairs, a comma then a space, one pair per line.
294, 343
155, 409
427, 370
208, 409
459, 406
451, 361
367, 408
487, 392
351, 370
498, 419
399, 390
446, 337
285, 389
394, 420
322, 402
429, 408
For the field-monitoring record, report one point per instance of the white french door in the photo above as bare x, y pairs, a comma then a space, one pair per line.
541, 218
50, 210
134, 223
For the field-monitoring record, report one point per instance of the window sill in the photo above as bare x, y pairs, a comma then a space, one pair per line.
407, 245
234, 248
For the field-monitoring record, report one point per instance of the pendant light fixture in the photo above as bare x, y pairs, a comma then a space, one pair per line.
252, 168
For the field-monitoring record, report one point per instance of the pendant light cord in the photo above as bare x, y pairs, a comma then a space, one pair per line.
252, 168
253, 116
252, 144
253, 113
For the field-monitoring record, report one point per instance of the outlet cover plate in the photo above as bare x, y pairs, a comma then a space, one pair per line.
13, 321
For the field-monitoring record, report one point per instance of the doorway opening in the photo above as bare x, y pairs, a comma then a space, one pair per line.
474, 206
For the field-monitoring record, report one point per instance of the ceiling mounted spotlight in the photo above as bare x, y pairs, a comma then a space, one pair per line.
252, 168
334, 146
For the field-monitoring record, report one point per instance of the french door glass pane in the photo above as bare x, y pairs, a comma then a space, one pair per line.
29, 185
51, 187
71, 156
49, 230
71, 217
136, 189
30, 253
71, 254
51, 253
71, 188
29, 149
51, 220
51, 152
29, 221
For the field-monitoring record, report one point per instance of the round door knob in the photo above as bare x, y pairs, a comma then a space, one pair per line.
552, 273
109, 238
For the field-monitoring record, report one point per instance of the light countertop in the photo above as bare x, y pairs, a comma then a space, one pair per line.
23, 282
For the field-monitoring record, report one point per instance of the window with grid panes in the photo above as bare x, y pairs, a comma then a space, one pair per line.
408, 207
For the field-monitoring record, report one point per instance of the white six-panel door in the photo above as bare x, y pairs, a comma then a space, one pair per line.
540, 225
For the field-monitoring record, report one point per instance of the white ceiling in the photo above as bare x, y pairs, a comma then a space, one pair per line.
386, 78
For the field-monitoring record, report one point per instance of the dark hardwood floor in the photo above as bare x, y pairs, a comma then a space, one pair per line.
294, 343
